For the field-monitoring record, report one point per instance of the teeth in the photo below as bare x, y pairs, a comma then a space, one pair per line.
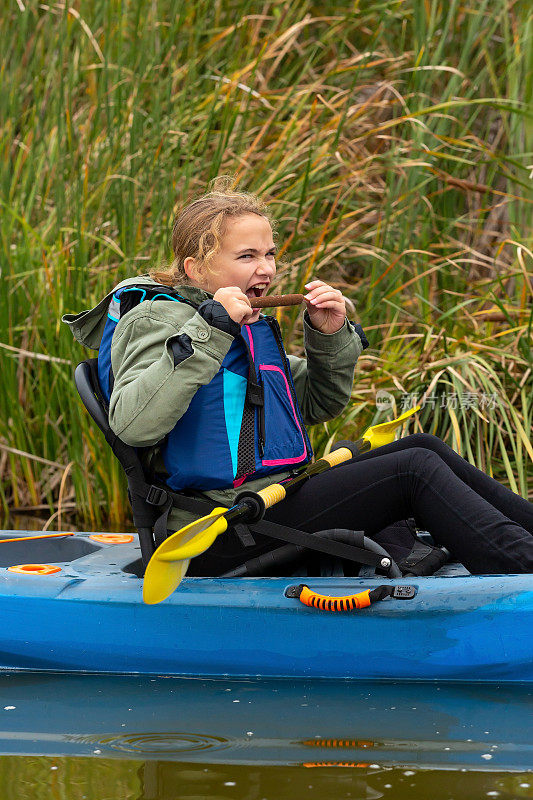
260, 286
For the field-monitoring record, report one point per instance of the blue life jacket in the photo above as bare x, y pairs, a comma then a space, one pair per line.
245, 423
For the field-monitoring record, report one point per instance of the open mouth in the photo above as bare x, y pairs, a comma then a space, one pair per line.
257, 291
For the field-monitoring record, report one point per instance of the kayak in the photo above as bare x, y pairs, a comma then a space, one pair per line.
83, 612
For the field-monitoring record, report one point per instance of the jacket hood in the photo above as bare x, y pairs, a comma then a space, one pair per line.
88, 326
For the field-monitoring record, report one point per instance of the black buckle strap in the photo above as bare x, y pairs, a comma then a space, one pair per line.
255, 395
243, 534
156, 496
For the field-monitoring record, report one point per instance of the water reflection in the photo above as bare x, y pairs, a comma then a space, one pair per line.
275, 722
70, 521
28, 522
168, 781
192, 738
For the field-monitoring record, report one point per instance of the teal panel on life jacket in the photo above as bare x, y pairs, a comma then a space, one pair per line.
234, 397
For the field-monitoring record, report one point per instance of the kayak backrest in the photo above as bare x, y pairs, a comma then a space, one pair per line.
86, 380
150, 500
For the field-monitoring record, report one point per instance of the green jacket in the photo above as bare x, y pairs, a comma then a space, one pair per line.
150, 394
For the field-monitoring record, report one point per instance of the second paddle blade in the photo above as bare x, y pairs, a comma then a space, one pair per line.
379, 435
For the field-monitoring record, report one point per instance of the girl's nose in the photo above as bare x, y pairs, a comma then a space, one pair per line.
267, 266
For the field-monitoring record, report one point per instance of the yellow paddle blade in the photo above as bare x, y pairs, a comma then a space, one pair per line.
378, 435
169, 563
193, 539
162, 578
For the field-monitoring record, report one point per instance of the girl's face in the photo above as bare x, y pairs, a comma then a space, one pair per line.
246, 258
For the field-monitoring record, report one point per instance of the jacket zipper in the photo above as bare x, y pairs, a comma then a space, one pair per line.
261, 420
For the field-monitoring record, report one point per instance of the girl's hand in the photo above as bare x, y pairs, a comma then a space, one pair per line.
236, 304
326, 307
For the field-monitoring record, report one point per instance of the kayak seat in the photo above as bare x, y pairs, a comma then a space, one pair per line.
151, 501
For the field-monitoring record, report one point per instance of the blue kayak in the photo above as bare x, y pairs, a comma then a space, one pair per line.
85, 614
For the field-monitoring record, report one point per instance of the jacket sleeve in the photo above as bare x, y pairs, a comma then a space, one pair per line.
323, 381
161, 354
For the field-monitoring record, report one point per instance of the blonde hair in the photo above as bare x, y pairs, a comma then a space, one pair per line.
199, 227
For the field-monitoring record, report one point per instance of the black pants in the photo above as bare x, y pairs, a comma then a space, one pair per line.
483, 524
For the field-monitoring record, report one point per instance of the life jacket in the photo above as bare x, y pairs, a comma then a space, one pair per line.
245, 423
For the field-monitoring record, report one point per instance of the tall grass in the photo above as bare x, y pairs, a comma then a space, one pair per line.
394, 142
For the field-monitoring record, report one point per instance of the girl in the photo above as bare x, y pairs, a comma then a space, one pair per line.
194, 368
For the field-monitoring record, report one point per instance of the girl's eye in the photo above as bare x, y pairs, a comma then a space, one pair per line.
272, 254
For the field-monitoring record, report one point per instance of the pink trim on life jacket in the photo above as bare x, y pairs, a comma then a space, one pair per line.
250, 339
281, 461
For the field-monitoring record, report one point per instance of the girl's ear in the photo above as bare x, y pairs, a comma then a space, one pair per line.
192, 269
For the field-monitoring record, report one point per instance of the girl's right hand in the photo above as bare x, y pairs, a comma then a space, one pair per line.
235, 302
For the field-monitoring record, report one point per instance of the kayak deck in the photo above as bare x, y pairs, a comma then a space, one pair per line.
90, 617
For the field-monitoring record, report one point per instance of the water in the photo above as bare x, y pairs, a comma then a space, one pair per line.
83, 737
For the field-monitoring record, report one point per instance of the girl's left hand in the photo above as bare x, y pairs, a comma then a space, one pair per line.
326, 307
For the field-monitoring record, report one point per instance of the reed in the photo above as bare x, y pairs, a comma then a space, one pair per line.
394, 142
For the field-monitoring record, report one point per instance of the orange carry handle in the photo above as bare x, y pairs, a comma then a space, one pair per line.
349, 602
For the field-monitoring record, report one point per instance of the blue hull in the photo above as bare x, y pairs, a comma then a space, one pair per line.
90, 618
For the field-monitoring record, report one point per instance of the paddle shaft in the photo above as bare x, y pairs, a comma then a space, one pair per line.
251, 506
292, 484
169, 563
